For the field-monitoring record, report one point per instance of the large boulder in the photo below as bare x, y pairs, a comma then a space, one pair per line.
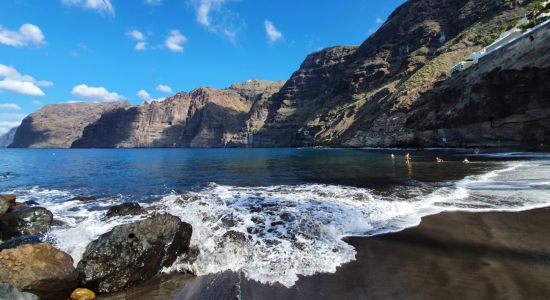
8, 292
133, 253
40, 269
25, 221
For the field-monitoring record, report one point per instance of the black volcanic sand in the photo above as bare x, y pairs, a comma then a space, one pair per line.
452, 255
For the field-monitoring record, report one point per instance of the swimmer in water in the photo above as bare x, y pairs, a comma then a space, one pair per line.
466, 161
439, 160
392, 156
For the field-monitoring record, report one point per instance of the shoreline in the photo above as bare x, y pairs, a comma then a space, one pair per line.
452, 255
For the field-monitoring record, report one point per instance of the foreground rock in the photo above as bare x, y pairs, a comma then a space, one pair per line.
4, 207
82, 294
40, 269
125, 209
133, 253
8, 292
25, 221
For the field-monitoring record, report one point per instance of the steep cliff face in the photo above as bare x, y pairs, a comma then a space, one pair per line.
204, 117
58, 125
361, 96
7, 138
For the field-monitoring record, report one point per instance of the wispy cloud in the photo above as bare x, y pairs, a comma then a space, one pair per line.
140, 39
164, 89
145, 96
9, 106
379, 21
273, 34
98, 94
27, 35
214, 16
12, 80
100, 6
5, 126
175, 41
153, 2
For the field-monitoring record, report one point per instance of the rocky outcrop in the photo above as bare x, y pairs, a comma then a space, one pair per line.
40, 269
59, 125
125, 209
7, 138
25, 221
133, 253
204, 117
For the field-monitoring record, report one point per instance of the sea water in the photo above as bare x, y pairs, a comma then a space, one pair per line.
290, 207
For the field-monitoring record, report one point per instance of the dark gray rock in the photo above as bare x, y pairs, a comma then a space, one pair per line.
22, 240
26, 221
8, 292
125, 209
133, 253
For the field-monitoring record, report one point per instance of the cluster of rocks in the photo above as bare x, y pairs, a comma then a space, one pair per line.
121, 258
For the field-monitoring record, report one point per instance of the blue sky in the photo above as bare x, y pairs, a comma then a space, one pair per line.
56, 51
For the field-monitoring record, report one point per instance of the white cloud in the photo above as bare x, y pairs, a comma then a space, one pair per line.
164, 88
9, 106
144, 95
273, 34
136, 35
140, 38
379, 21
175, 40
101, 6
153, 2
217, 18
98, 94
27, 35
12, 80
36, 102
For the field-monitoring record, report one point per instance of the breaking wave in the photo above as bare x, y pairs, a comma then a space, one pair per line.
274, 234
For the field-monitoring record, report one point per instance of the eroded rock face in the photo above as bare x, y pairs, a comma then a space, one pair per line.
40, 269
25, 221
133, 253
204, 117
59, 125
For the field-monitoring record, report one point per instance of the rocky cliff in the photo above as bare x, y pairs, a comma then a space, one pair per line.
375, 94
58, 125
7, 138
204, 117
393, 90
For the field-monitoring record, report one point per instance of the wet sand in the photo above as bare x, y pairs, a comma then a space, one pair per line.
452, 255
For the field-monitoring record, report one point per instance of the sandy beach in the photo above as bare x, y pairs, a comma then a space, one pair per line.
452, 255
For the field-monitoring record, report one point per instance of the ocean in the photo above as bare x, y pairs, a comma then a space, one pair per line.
293, 206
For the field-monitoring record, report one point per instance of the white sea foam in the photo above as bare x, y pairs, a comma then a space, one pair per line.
274, 234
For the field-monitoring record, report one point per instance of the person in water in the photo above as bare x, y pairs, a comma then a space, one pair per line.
466, 160
439, 160
392, 156
408, 158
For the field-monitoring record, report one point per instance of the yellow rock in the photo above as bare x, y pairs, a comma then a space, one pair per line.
82, 294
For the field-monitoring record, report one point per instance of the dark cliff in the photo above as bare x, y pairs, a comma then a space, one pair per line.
58, 125
204, 117
371, 95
